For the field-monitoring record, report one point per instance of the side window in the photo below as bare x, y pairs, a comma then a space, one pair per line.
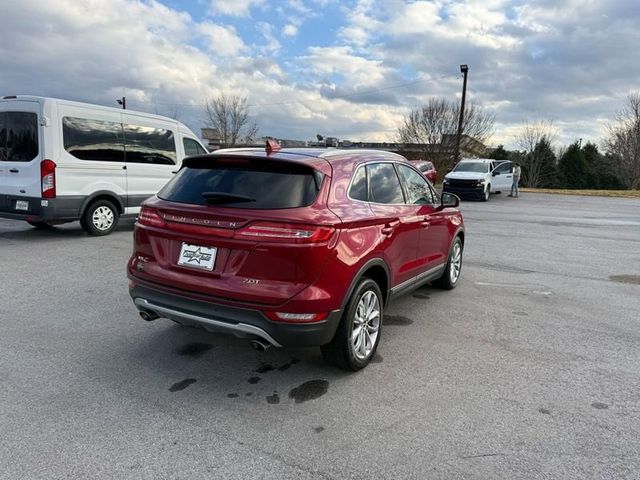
358, 190
417, 188
95, 140
154, 146
504, 168
384, 186
191, 147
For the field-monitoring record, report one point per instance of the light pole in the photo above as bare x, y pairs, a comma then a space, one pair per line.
122, 101
464, 69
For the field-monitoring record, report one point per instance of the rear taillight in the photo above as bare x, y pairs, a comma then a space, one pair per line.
285, 232
48, 178
150, 217
289, 317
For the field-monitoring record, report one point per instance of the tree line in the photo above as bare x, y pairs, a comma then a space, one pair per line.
615, 165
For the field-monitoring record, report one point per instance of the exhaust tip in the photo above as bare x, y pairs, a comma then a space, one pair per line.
259, 346
148, 315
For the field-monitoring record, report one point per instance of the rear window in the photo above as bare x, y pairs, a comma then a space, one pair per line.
243, 183
18, 136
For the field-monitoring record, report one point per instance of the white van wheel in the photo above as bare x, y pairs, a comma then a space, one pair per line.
100, 218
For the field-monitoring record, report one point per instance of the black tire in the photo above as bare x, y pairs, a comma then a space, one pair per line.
447, 280
486, 194
106, 221
40, 225
341, 352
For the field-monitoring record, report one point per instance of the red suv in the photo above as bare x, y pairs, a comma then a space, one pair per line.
428, 170
295, 247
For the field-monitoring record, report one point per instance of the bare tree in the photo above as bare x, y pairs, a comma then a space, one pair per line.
229, 114
623, 141
530, 136
431, 123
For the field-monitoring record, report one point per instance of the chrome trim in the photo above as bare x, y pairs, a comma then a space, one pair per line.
233, 327
418, 278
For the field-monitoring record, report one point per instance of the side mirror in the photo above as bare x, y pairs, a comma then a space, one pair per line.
494, 173
448, 200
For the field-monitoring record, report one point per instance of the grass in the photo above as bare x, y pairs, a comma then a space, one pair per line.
591, 193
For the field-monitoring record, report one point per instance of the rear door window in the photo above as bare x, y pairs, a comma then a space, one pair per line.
95, 140
18, 136
384, 186
191, 147
358, 189
244, 183
149, 145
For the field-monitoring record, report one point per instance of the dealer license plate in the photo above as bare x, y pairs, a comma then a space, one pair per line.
22, 205
196, 256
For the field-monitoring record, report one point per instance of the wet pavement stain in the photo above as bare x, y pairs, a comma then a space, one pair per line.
248, 394
632, 279
377, 358
309, 390
544, 411
600, 405
294, 361
396, 320
284, 367
273, 399
254, 380
182, 384
232, 395
318, 429
521, 314
264, 368
194, 349
421, 296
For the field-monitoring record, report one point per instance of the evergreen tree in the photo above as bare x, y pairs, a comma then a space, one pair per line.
573, 168
593, 159
500, 153
548, 176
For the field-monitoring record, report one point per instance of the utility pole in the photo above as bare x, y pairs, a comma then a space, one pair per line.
464, 69
122, 101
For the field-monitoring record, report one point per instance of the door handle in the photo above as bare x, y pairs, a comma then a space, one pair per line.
14, 170
174, 171
426, 221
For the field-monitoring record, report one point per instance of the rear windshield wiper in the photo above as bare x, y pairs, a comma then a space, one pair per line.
222, 197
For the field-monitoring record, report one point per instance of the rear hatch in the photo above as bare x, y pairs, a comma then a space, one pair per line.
20, 148
250, 230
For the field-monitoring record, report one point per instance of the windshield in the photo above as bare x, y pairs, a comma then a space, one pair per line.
18, 136
479, 167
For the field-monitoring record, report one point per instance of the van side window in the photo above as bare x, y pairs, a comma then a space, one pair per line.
18, 136
384, 186
93, 139
191, 147
149, 145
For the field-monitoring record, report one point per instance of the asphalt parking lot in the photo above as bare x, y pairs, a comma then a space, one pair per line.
529, 369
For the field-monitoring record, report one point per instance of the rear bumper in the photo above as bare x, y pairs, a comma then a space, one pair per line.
242, 322
475, 192
41, 210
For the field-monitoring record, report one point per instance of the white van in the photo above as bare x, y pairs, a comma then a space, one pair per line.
62, 161
479, 177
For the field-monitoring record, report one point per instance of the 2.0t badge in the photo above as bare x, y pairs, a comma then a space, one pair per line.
197, 256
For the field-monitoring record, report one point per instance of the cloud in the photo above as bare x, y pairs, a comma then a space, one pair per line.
222, 40
235, 8
290, 30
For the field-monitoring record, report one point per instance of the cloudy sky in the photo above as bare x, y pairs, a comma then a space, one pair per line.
349, 69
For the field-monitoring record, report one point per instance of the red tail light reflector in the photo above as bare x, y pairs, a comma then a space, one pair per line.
48, 178
288, 317
150, 217
283, 232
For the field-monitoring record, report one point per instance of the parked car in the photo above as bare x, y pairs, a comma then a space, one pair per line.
479, 177
62, 161
297, 247
428, 170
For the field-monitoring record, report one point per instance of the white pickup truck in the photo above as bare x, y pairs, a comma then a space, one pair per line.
479, 177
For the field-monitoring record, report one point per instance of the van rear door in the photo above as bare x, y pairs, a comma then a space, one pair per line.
20, 148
